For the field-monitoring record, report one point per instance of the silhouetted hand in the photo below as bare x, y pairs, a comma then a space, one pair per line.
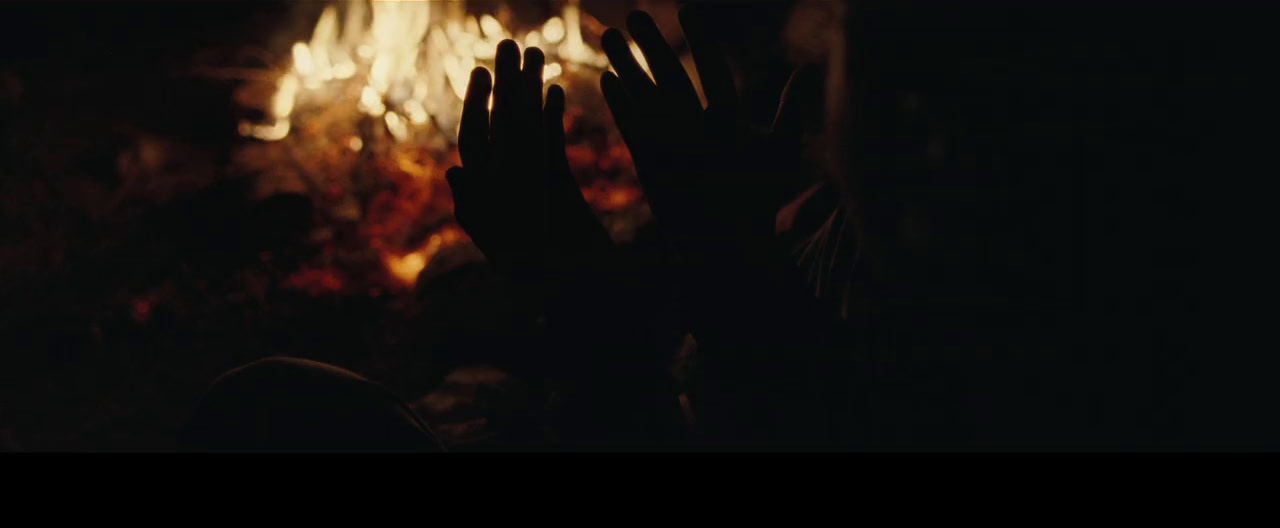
514, 194
714, 186
711, 181
516, 197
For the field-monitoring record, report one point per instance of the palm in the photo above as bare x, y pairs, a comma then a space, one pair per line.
514, 193
707, 178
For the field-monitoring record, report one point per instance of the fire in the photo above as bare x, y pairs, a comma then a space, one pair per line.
376, 94
409, 62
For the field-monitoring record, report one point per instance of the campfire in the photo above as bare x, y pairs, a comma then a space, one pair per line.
362, 118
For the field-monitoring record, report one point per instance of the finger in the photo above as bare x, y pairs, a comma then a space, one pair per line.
713, 66
553, 120
624, 113
505, 92
634, 134
573, 214
668, 72
798, 104
473, 135
633, 77
534, 60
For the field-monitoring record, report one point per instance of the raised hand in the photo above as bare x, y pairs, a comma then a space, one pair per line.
714, 186
514, 194
711, 181
516, 197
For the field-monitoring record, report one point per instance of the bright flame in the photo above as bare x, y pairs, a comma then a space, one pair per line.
302, 59
370, 102
403, 67
410, 58
573, 48
272, 132
397, 126
553, 30
282, 103
552, 71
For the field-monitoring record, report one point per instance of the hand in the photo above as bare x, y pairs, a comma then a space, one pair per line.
712, 182
516, 197
514, 194
715, 188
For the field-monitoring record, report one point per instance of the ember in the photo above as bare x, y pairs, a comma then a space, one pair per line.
363, 118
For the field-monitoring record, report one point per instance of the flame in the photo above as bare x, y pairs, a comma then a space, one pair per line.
410, 62
402, 67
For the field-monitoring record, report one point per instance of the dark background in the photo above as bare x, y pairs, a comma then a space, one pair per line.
83, 79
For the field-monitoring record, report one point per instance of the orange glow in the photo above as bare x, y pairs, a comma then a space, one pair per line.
315, 282
409, 61
363, 115
406, 267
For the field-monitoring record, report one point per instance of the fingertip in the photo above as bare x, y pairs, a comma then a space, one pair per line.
507, 47
533, 55
612, 37
480, 76
555, 97
508, 56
